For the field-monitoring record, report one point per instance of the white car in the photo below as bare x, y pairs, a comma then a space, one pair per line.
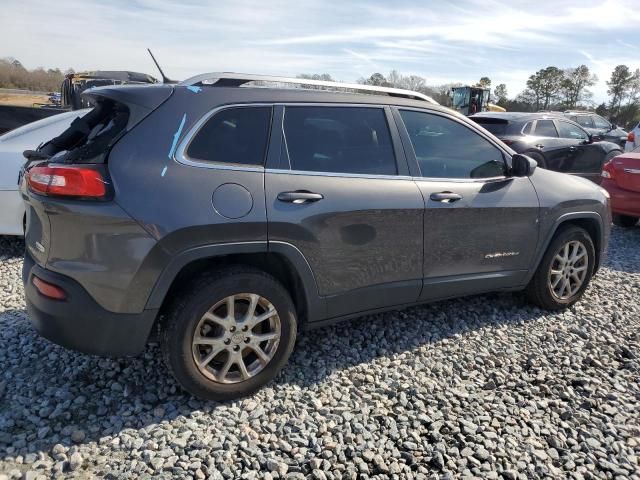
12, 144
633, 140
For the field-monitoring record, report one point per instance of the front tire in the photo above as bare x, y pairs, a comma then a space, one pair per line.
625, 221
565, 270
229, 334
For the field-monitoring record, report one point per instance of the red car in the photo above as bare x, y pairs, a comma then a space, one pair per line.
621, 178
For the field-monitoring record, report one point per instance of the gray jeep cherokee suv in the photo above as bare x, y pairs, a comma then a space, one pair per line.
219, 217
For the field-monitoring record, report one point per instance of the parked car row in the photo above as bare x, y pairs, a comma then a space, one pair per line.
220, 220
553, 141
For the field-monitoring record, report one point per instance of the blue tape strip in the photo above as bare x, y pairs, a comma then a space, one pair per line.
195, 89
176, 136
164, 170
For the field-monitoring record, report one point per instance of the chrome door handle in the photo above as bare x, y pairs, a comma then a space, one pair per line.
445, 197
300, 196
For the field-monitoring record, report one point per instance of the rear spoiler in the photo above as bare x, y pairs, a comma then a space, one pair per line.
140, 99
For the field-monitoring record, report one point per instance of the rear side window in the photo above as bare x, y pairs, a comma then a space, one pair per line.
495, 126
445, 148
600, 122
339, 140
527, 128
584, 121
234, 135
545, 128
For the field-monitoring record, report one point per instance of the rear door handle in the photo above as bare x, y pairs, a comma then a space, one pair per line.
445, 197
572, 149
300, 196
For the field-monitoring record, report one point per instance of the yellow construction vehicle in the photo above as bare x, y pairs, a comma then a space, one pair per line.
469, 100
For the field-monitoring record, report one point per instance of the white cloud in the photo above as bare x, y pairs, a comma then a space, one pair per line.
506, 40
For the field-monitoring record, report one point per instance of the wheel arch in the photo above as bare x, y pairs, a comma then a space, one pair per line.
281, 260
590, 221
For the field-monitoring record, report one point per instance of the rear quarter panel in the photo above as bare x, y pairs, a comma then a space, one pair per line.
171, 200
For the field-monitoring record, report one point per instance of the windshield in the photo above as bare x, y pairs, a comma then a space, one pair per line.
460, 99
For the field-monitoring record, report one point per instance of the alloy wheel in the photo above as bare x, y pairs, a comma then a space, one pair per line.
568, 270
236, 338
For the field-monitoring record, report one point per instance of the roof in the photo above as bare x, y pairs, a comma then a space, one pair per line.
580, 112
118, 75
230, 79
515, 115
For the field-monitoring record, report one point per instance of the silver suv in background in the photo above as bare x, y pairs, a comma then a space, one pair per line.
220, 218
599, 127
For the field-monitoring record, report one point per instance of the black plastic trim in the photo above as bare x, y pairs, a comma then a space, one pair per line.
78, 322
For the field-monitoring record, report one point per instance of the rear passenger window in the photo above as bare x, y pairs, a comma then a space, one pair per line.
568, 130
600, 122
584, 121
545, 128
527, 128
234, 135
339, 140
445, 148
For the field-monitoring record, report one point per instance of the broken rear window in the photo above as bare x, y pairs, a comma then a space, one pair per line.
89, 138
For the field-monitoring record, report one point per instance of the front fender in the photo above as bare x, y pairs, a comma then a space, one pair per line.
601, 240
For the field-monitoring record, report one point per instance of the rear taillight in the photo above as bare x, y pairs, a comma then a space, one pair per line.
608, 171
66, 181
48, 289
506, 141
631, 137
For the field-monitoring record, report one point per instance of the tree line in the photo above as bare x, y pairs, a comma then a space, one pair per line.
550, 88
14, 75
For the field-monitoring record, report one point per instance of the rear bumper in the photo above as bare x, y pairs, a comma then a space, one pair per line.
78, 322
623, 202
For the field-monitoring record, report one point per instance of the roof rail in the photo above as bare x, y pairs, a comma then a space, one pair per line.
227, 79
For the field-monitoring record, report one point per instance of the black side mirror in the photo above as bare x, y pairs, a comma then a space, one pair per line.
522, 166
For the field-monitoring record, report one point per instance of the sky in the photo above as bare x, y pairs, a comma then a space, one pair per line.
443, 41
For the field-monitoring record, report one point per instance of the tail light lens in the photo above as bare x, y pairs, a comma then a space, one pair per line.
506, 141
608, 171
631, 137
66, 181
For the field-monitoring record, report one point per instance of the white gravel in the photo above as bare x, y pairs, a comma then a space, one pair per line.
485, 386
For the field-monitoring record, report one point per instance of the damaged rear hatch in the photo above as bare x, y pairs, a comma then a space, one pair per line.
70, 172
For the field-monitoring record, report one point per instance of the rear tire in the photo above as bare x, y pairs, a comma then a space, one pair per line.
625, 221
565, 270
221, 312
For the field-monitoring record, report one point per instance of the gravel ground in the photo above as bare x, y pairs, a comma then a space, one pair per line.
484, 386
